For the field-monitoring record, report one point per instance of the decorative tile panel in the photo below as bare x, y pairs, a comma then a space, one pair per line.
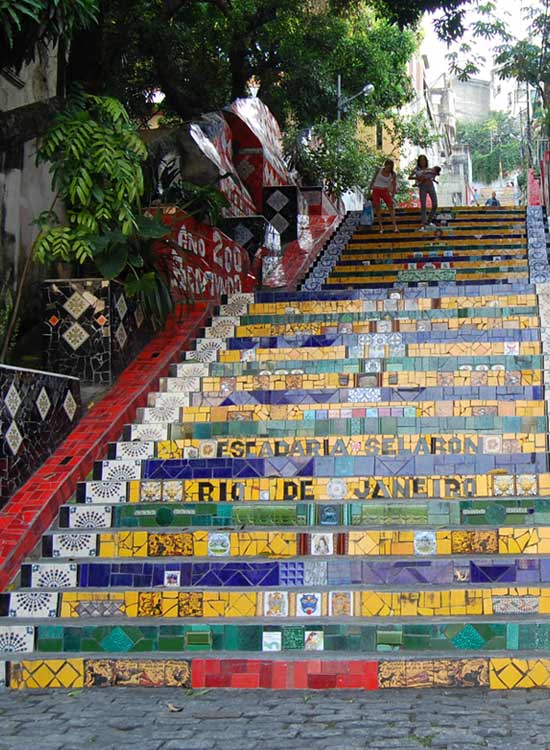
37, 411
93, 330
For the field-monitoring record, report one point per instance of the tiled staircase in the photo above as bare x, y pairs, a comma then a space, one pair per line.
341, 487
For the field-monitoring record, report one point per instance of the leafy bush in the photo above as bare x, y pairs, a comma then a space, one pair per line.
333, 155
495, 143
95, 157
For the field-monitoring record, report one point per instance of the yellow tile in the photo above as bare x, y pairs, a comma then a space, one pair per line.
506, 673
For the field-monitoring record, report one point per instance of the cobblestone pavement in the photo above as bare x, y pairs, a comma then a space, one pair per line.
168, 719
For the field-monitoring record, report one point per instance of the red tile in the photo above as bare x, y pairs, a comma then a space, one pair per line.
217, 680
266, 675
297, 674
321, 681
197, 673
349, 681
212, 666
280, 675
314, 666
371, 675
245, 681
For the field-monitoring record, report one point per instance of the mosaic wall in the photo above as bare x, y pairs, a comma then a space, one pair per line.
204, 263
281, 209
93, 329
37, 412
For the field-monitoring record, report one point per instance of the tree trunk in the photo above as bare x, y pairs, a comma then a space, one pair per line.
240, 72
25, 123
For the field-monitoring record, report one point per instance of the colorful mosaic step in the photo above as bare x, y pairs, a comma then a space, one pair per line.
359, 469
526, 511
358, 445
339, 572
283, 544
462, 636
361, 489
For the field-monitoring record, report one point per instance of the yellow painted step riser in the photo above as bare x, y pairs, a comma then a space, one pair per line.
471, 244
360, 604
358, 445
459, 378
284, 544
423, 409
465, 349
422, 303
432, 254
398, 324
350, 489
460, 265
391, 278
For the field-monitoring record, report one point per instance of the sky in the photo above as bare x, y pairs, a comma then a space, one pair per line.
508, 10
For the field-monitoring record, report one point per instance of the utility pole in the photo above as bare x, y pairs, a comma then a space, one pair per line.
528, 109
339, 97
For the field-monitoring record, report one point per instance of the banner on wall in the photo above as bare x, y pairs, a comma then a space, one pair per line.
201, 262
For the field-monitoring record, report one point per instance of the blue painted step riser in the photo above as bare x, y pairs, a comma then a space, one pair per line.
358, 339
445, 289
337, 572
402, 465
371, 395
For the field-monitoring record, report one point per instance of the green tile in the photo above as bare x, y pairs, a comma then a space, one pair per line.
293, 637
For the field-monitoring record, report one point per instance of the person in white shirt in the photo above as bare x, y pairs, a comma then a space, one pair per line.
383, 187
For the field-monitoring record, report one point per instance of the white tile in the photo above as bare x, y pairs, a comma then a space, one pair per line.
16, 639
33, 604
88, 517
120, 470
74, 545
54, 575
105, 492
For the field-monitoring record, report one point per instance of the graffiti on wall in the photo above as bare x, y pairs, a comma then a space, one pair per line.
201, 261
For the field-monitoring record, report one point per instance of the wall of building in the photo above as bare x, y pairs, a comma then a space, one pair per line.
472, 99
25, 188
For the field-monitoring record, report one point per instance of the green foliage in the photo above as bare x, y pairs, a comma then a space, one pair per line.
204, 202
95, 158
332, 155
528, 60
487, 26
414, 129
494, 143
25, 23
95, 155
202, 55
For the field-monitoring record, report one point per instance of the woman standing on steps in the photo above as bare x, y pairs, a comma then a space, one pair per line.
383, 187
425, 178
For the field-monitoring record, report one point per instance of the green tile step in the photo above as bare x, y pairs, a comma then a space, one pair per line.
466, 513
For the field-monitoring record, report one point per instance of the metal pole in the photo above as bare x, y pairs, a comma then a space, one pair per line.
528, 124
339, 97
